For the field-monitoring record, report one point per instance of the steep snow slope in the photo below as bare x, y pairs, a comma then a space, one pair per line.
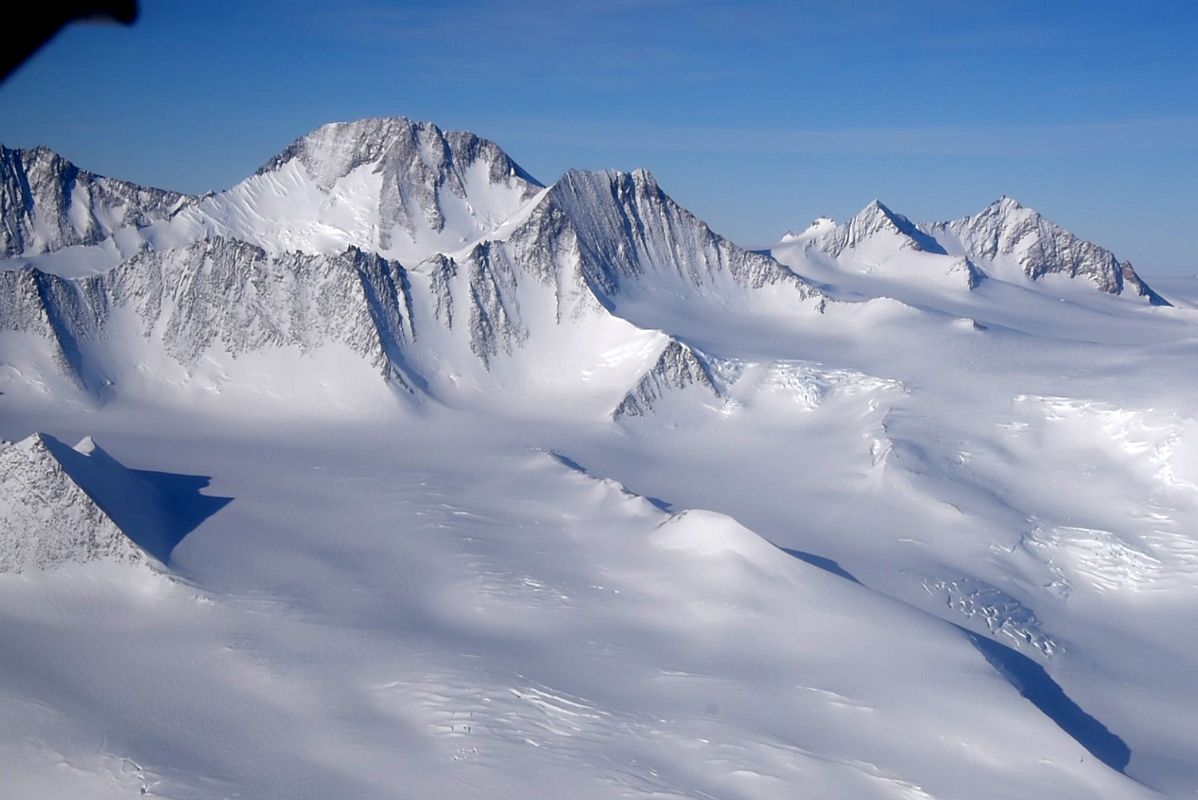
401, 188
1022, 487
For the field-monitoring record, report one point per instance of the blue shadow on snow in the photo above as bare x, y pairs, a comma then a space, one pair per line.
1030, 679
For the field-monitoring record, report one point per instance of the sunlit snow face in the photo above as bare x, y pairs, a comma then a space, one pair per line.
433, 477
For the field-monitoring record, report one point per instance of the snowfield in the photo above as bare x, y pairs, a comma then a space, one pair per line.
403, 475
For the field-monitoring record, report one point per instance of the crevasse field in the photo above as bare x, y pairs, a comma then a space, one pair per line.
392, 472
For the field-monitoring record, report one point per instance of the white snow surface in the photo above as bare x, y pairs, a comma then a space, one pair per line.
572, 497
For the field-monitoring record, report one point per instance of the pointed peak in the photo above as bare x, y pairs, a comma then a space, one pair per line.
643, 177
37, 442
878, 212
1007, 204
877, 217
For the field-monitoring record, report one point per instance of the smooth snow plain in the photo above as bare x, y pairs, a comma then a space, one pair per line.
931, 542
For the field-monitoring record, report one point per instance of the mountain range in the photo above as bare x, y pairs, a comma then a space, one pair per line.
422, 477
387, 234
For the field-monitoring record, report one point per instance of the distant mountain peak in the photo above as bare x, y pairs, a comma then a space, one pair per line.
1006, 235
877, 218
335, 149
876, 206
402, 188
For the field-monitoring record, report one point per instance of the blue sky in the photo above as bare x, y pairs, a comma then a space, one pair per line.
756, 115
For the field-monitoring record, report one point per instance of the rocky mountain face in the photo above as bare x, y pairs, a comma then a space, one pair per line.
47, 203
593, 241
1007, 233
678, 367
421, 250
629, 230
219, 294
420, 165
404, 189
1005, 241
876, 218
46, 518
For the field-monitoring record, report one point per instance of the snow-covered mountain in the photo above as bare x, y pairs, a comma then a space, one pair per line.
214, 296
871, 221
465, 484
1007, 237
400, 188
1005, 241
570, 257
47, 518
47, 203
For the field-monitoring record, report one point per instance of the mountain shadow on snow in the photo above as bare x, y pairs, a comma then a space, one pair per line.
156, 510
1038, 687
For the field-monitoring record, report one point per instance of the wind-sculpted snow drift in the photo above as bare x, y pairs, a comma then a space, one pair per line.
890, 509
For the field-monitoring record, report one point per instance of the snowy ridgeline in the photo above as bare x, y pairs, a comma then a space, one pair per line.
566, 260
431, 254
552, 490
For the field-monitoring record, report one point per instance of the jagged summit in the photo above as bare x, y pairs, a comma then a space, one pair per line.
401, 188
1007, 203
1005, 240
47, 203
1012, 240
335, 149
633, 236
